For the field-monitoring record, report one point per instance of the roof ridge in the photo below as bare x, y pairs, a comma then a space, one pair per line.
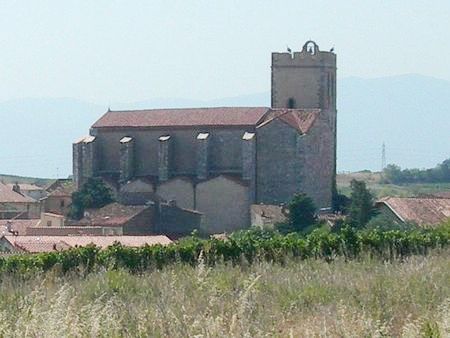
185, 108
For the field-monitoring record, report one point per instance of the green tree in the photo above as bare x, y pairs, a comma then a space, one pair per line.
362, 204
340, 203
301, 214
393, 173
93, 194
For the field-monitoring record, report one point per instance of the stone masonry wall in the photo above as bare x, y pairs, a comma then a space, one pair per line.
278, 166
309, 79
225, 204
288, 163
224, 149
317, 155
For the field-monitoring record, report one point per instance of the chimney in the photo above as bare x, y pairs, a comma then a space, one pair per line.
16, 188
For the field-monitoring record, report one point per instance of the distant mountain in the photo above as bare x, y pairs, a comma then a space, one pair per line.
37, 135
410, 113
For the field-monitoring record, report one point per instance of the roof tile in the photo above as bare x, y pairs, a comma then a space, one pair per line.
300, 119
8, 195
187, 117
53, 243
423, 211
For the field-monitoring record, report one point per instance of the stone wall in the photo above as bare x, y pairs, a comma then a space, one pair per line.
20, 210
56, 204
278, 170
84, 159
224, 150
126, 158
306, 79
142, 224
137, 192
177, 222
179, 189
317, 154
288, 162
225, 203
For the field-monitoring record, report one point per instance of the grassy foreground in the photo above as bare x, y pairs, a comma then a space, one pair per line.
309, 298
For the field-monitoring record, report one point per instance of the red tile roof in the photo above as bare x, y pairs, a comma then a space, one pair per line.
19, 225
41, 246
54, 243
300, 119
61, 188
8, 195
423, 211
26, 187
67, 230
113, 214
186, 117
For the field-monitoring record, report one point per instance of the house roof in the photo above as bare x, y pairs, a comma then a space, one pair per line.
442, 194
67, 230
41, 246
61, 188
26, 187
8, 195
19, 225
56, 243
186, 117
113, 214
58, 182
423, 211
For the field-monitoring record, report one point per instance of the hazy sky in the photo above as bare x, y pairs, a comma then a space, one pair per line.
109, 51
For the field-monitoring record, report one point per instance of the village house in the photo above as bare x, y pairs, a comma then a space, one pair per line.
220, 161
14, 204
421, 211
58, 198
151, 218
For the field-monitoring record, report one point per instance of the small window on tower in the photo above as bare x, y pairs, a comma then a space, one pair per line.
291, 103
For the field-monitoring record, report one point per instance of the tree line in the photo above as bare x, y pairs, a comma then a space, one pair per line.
396, 175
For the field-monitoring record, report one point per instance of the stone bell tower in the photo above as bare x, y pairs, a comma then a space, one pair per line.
305, 79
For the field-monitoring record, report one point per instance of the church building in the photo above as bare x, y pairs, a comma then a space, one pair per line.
220, 161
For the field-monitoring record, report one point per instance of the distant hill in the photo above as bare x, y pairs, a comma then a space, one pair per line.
41, 182
410, 113
37, 135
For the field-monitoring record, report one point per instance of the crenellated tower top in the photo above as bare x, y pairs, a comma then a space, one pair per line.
305, 79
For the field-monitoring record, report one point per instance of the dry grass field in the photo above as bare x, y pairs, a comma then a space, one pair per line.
311, 298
